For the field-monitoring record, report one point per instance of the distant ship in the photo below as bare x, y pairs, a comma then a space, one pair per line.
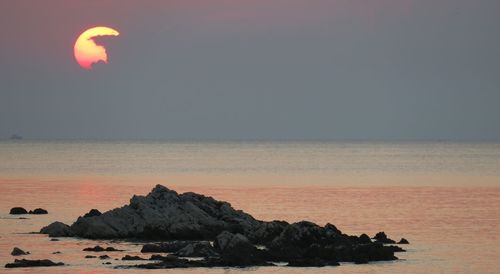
16, 137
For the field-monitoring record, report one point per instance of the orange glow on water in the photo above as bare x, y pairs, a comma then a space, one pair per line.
87, 52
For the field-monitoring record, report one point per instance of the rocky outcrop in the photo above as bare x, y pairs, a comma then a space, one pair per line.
18, 211
57, 229
165, 214
186, 222
18, 252
32, 263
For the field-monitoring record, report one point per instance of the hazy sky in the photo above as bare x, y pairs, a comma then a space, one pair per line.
254, 69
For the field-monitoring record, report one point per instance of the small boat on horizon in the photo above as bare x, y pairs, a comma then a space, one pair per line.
16, 137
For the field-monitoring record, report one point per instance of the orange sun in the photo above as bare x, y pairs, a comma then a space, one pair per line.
87, 52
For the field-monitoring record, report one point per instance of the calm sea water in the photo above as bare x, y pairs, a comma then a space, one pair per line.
443, 197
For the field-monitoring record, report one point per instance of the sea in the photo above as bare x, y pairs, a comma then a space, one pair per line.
444, 197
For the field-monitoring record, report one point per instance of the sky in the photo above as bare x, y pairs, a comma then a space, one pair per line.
253, 70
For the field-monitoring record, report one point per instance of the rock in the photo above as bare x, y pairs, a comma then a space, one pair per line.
199, 249
365, 253
403, 241
396, 248
32, 263
132, 258
236, 250
382, 238
295, 240
165, 214
18, 252
39, 211
92, 213
90, 257
56, 252
54, 240
166, 247
18, 211
104, 257
107, 263
57, 229
267, 231
101, 249
365, 239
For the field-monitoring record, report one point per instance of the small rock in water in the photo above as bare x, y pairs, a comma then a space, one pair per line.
18, 252
403, 241
100, 249
39, 211
32, 263
90, 257
104, 257
92, 213
54, 240
107, 263
57, 229
56, 252
382, 238
18, 211
132, 258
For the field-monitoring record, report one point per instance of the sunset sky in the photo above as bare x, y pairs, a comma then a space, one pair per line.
253, 69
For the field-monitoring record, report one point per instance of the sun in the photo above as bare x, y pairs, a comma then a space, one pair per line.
87, 52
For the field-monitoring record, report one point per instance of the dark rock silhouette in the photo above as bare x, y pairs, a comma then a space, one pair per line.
90, 257
18, 211
38, 211
92, 213
18, 252
237, 250
104, 257
403, 241
57, 229
100, 249
187, 221
132, 258
382, 238
32, 263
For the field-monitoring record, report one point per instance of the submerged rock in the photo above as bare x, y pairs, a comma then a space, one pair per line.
57, 229
38, 211
104, 257
18, 211
32, 263
18, 252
